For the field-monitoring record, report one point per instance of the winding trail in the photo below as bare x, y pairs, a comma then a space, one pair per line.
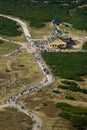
13, 101
49, 78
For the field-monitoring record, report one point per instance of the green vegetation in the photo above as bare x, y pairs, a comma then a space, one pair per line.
45, 104
36, 24
7, 47
70, 97
42, 11
9, 27
72, 88
84, 47
72, 109
12, 119
20, 65
56, 91
63, 87
79, 122
70, 85
7, 70
76, 115
67, 65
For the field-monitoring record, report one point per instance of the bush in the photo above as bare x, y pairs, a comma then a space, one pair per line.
7, 70
9, 27
84, 91
84, 47
69, 82
70, 97
63, 87
36, 24
45, 104
20, 65
1, 42
72, 109
56, 91
79, 122
73, 65
72, 86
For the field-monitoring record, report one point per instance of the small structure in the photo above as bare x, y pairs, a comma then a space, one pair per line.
59, 35
55, 32
60, 28
57, 43
56, 22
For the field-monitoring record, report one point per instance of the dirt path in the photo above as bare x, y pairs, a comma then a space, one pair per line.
13, 100
49, 78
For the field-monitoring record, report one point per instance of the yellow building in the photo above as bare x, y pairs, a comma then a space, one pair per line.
58, 43
52, 46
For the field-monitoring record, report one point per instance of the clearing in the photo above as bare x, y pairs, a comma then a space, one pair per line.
17, 73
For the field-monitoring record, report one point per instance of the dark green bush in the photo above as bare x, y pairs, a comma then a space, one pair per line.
84, 91
9, 27
46, 12
20, 65
56, 91
70, 97
1, 42
73, 65
84, 47
63, 87
7, 70
72, 109
45, 104
79, 122
36, 24
71, 83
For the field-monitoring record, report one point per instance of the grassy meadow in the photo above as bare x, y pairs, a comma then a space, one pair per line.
7, 47
12, 119
17, 73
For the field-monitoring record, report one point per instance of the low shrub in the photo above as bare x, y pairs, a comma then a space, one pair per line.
69, 82
56, 91
63, 87
72, 109
70, 85
20, 65
70, 97
45, 104
72, 88
79, 122
9, 27
67, 65
84, 47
